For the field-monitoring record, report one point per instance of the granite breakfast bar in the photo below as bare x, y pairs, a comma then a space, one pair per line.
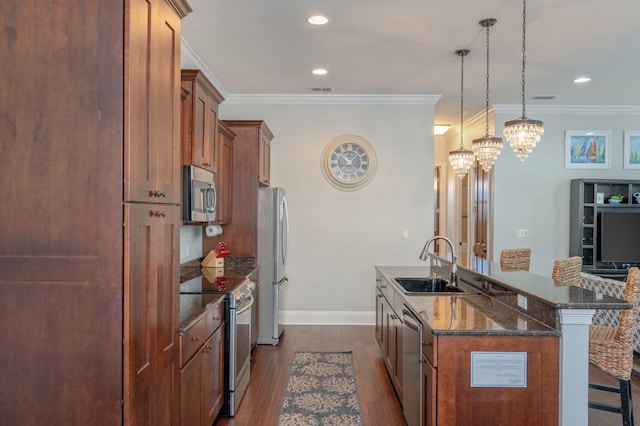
497, 303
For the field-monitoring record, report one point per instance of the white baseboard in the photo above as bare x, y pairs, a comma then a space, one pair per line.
328, 317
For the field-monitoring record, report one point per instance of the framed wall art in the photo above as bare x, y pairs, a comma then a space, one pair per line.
587, 149
631, 149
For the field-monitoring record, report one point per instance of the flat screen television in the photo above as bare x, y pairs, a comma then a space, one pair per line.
620, 237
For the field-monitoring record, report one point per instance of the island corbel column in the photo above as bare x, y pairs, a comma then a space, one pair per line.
574, 366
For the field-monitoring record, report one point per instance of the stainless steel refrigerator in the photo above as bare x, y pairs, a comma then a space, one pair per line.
273, 241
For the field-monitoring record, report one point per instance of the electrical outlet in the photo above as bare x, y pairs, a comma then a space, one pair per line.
522, 301
522, 233
405, 234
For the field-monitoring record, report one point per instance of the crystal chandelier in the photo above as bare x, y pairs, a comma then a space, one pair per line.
487, 148
523, 133
461, 159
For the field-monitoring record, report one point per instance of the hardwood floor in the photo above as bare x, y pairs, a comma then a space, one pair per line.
270, 367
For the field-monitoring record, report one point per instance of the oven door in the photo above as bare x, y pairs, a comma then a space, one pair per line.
239, 353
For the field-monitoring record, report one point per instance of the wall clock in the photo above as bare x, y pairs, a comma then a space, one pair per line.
348, 162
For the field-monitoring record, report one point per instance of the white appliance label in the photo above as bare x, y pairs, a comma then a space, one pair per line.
499, 369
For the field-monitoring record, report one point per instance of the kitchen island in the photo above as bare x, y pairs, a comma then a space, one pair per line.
503, 313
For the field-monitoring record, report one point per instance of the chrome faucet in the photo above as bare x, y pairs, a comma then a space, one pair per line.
454, 259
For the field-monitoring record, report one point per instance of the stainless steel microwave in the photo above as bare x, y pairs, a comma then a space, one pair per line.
199, 195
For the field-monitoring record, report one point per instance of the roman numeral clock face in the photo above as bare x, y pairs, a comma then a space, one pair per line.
348, 162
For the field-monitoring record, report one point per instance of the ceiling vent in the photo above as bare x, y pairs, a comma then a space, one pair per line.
322, 89
544, 97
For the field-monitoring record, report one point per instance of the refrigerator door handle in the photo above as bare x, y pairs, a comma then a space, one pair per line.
285, 231
281, 282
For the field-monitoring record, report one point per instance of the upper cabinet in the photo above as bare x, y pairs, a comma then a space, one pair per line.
250, 169
254, 137
225, 173
200, 121
264, 158
152, 110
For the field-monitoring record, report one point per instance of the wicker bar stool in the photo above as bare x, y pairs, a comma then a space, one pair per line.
517, 259
567, 271
611, 350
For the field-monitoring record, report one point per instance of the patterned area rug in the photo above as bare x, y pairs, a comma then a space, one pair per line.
321, 391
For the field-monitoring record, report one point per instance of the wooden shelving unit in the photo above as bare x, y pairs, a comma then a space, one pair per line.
585, 209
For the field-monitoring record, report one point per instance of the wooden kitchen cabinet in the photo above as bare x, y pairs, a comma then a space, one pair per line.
152, 110
429, 386
91, 277
449, 398
151, 358
225, 173
241, 233
264, 158
390, 329
202, 373
254, 139
200, 121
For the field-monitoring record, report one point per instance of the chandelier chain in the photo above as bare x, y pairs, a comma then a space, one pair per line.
524, 55
486, 99
462, 55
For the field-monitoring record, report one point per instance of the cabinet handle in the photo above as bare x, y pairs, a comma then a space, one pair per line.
158, 213
195, 339
206, 164
208, 349
393, 317
158, 194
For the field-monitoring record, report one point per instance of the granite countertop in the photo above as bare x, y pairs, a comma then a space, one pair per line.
542, 288
194, 306
474, 315
469, 313
205, 287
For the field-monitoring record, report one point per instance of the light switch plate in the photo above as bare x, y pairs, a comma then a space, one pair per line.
522, 301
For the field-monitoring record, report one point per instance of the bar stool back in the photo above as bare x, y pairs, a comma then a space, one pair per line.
611, 350
517, 259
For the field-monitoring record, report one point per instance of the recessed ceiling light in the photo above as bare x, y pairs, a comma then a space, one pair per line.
319, 71
318, 20
582, 79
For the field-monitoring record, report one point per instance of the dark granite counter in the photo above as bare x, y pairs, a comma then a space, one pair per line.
202, 288
194, 306
469, 313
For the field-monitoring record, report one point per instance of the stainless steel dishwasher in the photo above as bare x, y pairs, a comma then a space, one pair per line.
412, 368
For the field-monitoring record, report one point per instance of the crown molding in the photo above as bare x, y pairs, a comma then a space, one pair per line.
569, 109
332, 99
189, 59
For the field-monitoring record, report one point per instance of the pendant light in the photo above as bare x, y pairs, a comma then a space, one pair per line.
461, 159
523, 133
487, 148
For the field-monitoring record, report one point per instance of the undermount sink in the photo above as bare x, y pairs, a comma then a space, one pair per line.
426, 285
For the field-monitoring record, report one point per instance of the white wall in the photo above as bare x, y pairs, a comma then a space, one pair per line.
337, 237
534, 194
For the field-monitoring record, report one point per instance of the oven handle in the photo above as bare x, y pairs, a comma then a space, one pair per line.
246, 307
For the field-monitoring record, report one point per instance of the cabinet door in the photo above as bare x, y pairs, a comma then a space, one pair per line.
152, 102
225, 178
151, 313
429, 383
200, 121
214, 375
211, 154
264, 160
192, 385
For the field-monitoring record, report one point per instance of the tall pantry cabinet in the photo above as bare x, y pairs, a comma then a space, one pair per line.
89, 211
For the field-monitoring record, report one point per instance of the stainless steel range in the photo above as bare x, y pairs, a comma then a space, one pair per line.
240, 319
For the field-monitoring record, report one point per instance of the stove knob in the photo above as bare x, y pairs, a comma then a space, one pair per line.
251, 285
